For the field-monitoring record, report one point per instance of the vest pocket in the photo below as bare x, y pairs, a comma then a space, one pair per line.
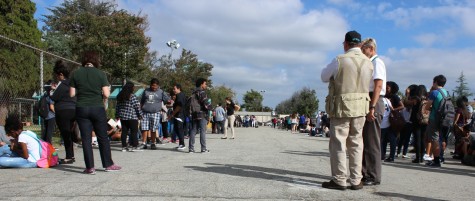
329, 105
353, 105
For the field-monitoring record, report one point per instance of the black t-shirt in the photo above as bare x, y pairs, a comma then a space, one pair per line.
180, 101
230, 109
395, 100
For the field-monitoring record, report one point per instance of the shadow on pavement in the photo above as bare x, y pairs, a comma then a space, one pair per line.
309, 153
69, 168
422, 167
261, 173
404, 196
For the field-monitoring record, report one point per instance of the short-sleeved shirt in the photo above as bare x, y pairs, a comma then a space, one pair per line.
387, 111
180, 101
31, 144
379, 73
436, 98
88, 82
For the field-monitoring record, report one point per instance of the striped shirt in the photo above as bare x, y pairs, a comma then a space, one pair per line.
128, 110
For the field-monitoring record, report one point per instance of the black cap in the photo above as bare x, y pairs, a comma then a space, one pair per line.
353, 37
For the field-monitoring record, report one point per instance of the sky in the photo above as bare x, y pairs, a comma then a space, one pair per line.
281, 46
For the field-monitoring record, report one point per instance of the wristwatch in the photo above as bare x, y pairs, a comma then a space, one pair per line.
371, 107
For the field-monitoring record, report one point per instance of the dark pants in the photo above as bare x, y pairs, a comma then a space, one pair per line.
48, 129
388, 135
201, 126
404, 139
131, 125
372, 145
419, 145
178, 129
89, 119
65, 120
165, 129
220, 127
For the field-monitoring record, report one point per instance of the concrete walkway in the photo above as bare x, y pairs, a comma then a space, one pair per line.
260, 164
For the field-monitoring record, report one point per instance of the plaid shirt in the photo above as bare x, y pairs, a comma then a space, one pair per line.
129, 110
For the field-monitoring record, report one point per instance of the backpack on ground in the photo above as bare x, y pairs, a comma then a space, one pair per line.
48, 155
42, 107
193, 106
446, 112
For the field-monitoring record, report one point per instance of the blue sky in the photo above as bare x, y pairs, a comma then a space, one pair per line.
281, 45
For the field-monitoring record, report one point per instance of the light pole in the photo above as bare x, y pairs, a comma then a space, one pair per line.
262, 107
173, 44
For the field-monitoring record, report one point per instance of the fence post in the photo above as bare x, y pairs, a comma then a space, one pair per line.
41, 72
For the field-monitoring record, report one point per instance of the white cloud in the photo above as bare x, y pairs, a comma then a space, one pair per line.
262, 45
420, 65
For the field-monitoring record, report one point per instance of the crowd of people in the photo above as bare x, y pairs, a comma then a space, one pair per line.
365, 110
81, 100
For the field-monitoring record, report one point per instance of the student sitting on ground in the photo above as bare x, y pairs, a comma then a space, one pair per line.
23, 150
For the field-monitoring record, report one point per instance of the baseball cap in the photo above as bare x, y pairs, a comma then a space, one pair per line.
353, 37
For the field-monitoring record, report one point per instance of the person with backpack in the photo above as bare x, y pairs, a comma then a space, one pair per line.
440, 116
47, 112
65, 110
23, 151
199, 105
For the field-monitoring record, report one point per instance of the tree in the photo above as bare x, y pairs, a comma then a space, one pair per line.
19, 65
253, 101
82, 25
462, 88
218, 94
185, 71
303, 102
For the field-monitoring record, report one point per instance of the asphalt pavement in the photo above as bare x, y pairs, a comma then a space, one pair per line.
260, 164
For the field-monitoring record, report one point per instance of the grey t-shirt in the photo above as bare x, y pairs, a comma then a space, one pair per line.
151, 101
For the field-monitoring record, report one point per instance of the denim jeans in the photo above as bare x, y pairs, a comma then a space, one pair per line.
13, 160
89, 119
198, 125
388, 135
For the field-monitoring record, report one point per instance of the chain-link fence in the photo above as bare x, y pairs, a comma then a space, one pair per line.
24, 103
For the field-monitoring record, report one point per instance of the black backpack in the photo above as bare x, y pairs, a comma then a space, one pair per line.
42, 106
193, 106
446, 112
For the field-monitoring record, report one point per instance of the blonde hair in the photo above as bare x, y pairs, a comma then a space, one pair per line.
369, 42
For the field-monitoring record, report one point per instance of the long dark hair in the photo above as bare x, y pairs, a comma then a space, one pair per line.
126, 92
461, 104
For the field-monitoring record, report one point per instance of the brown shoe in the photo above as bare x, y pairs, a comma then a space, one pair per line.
357, 187
332, 185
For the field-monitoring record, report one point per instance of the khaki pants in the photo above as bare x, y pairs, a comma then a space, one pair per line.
230, 120
346, 136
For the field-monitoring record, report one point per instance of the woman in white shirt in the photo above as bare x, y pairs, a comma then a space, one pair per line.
23, 151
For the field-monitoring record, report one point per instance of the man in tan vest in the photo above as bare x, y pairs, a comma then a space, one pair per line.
347, 104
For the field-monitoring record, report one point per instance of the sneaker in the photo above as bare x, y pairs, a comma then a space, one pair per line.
389, 160
191, 151
89, 171
144, 146
181, 147
95, 144
153, 147
164, 141
124, 149
135, 149
405, 156
113, 168
433, 164
427, 157
205, 151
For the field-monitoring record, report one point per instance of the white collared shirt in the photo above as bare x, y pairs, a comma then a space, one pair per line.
378, 73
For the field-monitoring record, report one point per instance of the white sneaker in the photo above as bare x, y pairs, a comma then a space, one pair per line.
405, 156
427, 157
124, 149
181, 147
